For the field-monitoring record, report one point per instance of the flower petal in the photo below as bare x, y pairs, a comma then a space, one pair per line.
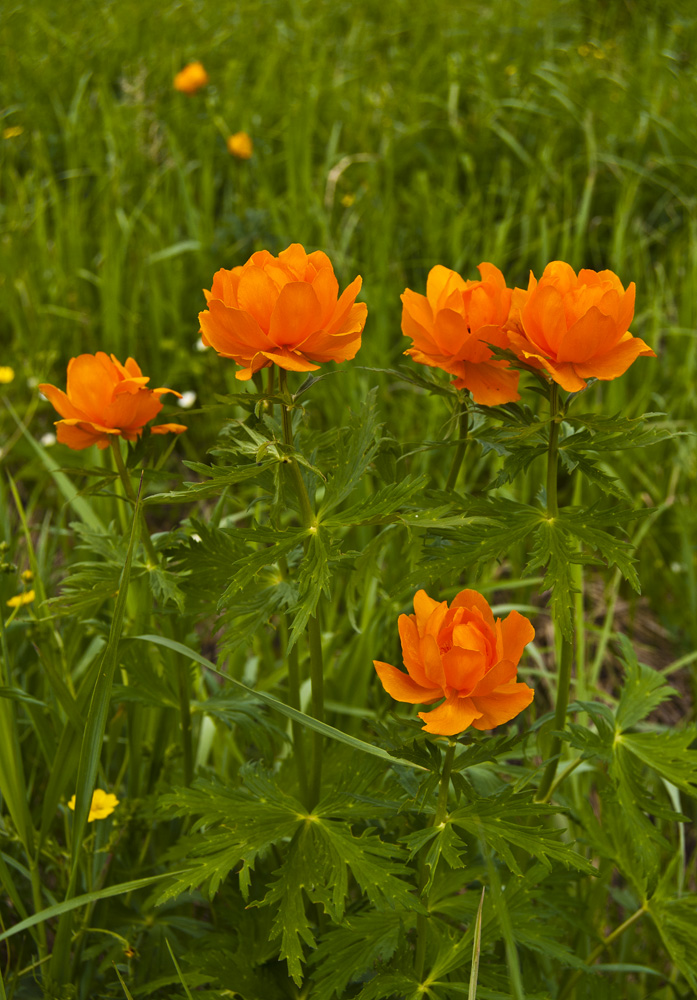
168, 429
617, 361
411, 649
502, 705
452, 717
296, 314
402, 688
589, 336
513, 635
473, 600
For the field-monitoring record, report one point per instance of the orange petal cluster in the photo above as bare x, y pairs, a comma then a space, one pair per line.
191, 78
105, 399
240, 145
283, 310
452, 326
576, 327
461, 654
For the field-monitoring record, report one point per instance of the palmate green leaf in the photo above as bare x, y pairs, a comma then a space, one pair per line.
443, 842
588, 526
250, 610
575, 460
219, 479
388, 985
245, 569
358, 449
237, 826
676, 920
314, 579
204, 558
667, 753
361, 942
318, 863
599, 434
553, 551
493, 819
380, 506
643, 689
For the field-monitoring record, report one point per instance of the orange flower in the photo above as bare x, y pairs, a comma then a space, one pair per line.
452, 325
191, 78
104, 399
462, 654
240, 145
282, 310
576, 327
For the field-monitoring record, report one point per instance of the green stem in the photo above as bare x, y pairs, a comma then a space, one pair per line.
270, 382
185, 714
462, 444
130, 493
297, 729
552, 451
438, 820
605, 943
566, 652
313, 627
563, 684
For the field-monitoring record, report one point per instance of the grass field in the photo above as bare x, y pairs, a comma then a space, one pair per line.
394, 137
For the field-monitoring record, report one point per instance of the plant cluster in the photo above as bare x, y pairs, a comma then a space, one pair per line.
228, 804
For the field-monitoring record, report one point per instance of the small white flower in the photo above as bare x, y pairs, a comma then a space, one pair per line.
196, 538
188, 399
32, 382
200, 346
48, 439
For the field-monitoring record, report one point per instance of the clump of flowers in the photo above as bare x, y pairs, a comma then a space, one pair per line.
575, 327
461, 654
453, 325
105, 399
283, 310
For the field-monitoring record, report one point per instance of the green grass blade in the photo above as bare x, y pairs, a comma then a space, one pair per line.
279, 706
129, 995
476, 949
78, 503
68, 905
91, 749
179, 971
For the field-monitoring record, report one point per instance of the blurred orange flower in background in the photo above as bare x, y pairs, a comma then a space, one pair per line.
191, 78
283, 310
452, 325
105, 399
461, 654
240, 145
576, 326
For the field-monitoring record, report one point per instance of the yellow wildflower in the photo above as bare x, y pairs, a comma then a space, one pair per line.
6, 374
19, 599
27, 576
103, 805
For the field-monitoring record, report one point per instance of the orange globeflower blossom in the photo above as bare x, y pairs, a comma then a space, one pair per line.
452, 324
461, 654
191, 78
104, 399
283, 310
576, 326
240, 145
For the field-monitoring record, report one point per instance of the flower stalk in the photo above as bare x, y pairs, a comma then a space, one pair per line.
314, 634
565, 649
463, 425
153, 559
438, 820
